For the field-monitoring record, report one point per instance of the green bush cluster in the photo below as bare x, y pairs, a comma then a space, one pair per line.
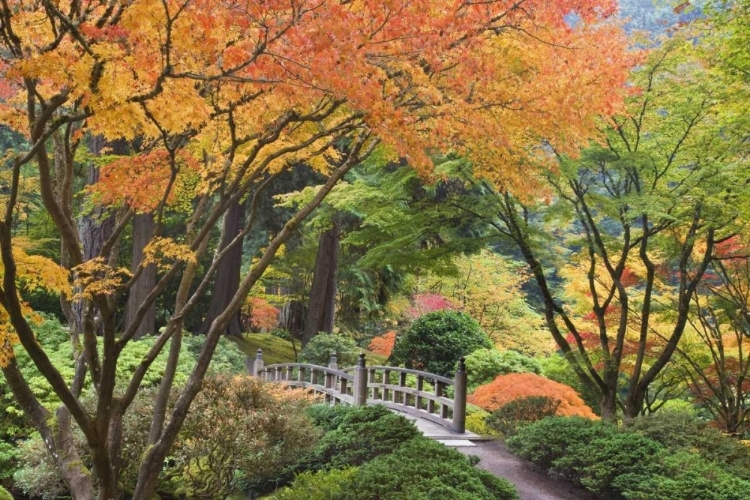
436, 341
318, 351
351, 437
5, 494
420, 469
362, 434
625, 462
483, 365
682, 431
476, 421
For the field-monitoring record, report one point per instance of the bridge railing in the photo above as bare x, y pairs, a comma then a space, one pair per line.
421, 394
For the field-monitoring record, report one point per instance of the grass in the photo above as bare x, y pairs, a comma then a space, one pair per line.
276, 350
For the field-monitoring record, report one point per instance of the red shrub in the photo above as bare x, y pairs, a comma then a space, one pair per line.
513, 386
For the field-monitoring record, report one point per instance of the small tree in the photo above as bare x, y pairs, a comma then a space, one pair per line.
507, 388
436, 341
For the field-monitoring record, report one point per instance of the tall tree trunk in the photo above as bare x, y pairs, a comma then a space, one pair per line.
322, 302
143, 227
227, 279
292, 318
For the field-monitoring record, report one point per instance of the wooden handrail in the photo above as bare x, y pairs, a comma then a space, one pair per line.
359, 385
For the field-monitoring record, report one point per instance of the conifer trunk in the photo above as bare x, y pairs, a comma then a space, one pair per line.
143, 227
322, 302
227, 280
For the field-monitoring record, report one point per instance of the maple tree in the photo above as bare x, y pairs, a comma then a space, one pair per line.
515, 386
623, 235
259, 314
222, 95
383, 344
716, 366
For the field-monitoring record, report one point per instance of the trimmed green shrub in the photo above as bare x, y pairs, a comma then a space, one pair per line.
548, 440
423, 469
596, 464
483, 365
318, 351
683, 431
609, 460
509, 418
436, 341
683, 476
324, 485
5, 494
360, 434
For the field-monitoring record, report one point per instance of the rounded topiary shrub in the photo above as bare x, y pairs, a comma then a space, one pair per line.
436, 341
4, 494
318, 351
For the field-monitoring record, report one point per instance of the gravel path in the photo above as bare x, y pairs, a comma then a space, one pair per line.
531, 482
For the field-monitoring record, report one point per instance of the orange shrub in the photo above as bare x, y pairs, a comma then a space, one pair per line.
507, 388
383, 344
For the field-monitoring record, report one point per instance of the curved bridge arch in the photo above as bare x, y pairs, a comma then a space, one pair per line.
423, 395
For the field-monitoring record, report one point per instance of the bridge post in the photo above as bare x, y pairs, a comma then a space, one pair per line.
459, 398
333, 362
360, 382
255, 366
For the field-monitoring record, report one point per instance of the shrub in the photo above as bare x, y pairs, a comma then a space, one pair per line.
325, 485
383, 344
318, 351
220, 445
436, 341
352, 436
423, 469
5, 494
683, 431
596, 464
507, 388
264, 429
556, 367
37, 475
510, 417
476, 420
545, 441
605, 459
683, 476
483, 365
359, 434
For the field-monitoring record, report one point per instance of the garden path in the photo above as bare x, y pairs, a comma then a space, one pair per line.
531, 482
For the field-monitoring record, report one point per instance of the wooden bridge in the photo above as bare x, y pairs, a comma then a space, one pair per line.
423, 395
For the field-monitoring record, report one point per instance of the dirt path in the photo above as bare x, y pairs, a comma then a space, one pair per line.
531, 482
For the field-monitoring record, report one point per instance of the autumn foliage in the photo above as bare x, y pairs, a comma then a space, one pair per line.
259, 315
383, 344
514, 386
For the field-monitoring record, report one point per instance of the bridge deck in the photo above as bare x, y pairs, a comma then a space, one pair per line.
439, 433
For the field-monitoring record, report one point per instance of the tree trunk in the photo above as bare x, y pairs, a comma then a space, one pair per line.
143, 227
292, 318
227, 279
322, 302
